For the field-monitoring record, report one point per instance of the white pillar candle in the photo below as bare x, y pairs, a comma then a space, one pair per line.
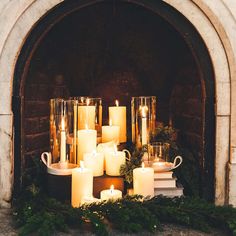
86, 116
110, 194
105, 148
63, 142
95, 162
144, 126
82, 185
87, 141
114, 159
143, 181
110, 133
118, 116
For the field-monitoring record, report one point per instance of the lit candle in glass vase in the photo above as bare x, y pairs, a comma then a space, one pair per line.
63, 142
118, 116
144, 125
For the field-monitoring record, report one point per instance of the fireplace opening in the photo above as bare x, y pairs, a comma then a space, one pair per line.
116, 50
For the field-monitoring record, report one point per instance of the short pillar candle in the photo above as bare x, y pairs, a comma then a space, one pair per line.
114, 160
95, 162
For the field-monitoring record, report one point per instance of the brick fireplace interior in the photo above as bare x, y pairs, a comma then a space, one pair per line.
116, 50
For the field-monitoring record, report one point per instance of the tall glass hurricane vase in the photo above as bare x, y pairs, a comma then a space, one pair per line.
143, 118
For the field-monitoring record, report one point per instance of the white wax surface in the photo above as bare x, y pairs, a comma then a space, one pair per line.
82, 185
118, 116
110, 194
86, 116
143, 181
95, 162
87, 141
113, 162
110, 133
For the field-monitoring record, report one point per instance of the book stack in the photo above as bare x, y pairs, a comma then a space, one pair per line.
165, 184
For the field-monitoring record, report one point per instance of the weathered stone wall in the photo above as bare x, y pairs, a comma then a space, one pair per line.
215, 21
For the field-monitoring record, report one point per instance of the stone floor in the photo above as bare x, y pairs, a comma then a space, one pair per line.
7, 229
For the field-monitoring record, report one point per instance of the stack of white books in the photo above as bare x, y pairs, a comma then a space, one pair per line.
165, 184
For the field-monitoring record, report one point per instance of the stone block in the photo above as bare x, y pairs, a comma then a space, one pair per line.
6, 160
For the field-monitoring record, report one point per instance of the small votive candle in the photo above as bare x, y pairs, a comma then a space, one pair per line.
110, 194
95, 162
143, 180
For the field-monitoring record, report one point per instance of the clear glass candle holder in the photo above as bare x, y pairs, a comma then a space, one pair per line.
89, 113
159, 152
143, 118
58, 130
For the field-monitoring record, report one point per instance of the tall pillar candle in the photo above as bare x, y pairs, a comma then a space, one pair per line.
114, 160
95, 162
86, 116
110, 133
63, 142
87, 141
143, 181
82, 185
118, 116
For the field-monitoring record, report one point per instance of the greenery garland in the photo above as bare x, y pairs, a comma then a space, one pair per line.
36, 213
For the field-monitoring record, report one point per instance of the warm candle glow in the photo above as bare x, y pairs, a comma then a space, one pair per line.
81, 165
144, 111
115, 149
112, 189
110, 122
117, 103
94, 152
87, 101
86, 126
62, 124
143, 165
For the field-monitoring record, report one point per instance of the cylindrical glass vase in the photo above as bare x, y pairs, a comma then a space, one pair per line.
89, 113
143, 118
58, 130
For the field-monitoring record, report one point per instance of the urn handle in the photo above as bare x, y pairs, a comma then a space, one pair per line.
48, 160
175, 161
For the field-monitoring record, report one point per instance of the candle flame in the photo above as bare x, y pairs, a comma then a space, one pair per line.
110, 122
143, 165
112, 189
117, 103
81, 165
86, 126
87, 101
144, 111
63, 124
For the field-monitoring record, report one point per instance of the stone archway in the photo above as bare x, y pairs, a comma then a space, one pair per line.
214, 23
